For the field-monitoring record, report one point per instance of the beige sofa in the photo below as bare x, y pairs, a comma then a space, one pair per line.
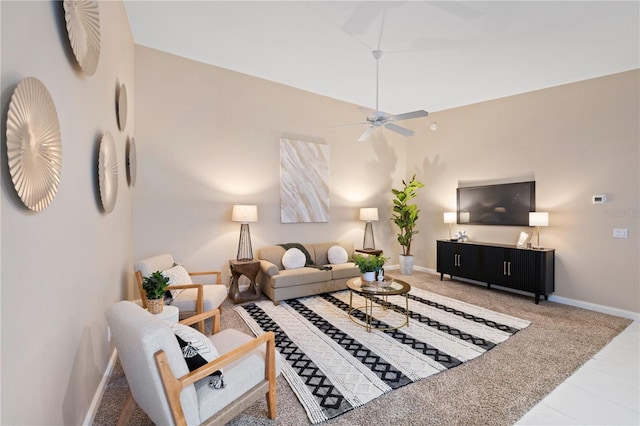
279, 283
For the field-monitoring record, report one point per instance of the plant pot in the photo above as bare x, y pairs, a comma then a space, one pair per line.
155, 306
406, 264
369, 276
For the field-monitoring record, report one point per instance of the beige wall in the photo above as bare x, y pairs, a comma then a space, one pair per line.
62, 267
218, 145
209, 138
575, 140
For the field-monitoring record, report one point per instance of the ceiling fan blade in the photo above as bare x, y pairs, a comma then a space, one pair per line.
398, 129
366, 134
409, 115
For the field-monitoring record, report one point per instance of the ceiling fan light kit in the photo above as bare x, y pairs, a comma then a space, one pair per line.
376, 118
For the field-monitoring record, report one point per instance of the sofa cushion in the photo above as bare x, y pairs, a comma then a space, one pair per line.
345, 270
272, 254
293, 259
300, 276
337, 255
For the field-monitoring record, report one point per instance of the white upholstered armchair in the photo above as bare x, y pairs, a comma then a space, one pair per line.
159, 377
190, 298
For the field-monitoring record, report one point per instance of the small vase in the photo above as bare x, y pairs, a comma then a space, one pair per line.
155, 306
369, 276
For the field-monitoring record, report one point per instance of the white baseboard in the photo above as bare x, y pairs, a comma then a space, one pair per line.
97, 398
635, 316
595, 307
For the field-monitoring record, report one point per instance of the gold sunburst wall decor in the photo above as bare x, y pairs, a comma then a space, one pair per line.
34, 147
108, 172
83, 27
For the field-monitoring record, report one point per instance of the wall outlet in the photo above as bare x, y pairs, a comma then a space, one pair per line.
619, 232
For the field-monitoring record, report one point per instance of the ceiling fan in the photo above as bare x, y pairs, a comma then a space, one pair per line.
376, 118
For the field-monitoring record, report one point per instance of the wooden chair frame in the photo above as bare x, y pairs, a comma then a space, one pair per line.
199, 297
173, 386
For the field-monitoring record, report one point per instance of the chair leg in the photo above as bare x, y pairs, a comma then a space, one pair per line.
127, 411
271, 404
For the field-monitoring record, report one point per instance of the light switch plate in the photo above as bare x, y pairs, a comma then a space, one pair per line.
599, 199
619, 232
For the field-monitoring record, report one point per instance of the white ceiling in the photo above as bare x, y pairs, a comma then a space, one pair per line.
437, 55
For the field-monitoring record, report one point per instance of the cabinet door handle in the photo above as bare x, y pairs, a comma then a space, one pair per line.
455, 260
509, 269
504, 267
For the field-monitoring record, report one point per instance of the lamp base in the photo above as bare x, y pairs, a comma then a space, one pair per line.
537, 248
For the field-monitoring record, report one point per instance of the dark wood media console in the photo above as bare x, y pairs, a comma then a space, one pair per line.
508, 266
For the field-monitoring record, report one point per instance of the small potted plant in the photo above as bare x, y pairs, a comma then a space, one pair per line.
155, 286
369, 265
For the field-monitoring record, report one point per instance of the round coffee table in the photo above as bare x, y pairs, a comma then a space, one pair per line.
369, 290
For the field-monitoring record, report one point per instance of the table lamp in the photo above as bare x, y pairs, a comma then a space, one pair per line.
538, 219
368, 214
450, 217
244, 214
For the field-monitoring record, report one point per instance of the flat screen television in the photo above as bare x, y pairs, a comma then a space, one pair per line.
506, 204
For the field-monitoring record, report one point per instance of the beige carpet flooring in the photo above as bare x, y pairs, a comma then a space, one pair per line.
496, 388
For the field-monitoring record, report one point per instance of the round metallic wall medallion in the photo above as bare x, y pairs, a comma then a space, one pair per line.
131, 161
83, 27
34, 147
121, 107
108, 172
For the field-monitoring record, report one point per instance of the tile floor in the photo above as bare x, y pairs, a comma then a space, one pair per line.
604, 391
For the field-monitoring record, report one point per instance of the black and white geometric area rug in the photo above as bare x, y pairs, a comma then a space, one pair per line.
334, 365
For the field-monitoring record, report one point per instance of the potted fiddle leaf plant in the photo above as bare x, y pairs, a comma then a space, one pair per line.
369, 265
155, 286
405, 216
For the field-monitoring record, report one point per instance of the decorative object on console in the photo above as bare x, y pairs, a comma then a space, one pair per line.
108, 172
538, 219
524, 239
154, 286
450, 217
460, 236
304, 181
83, 27
121, 107
368, 214
244, 214
405, 216
34, 147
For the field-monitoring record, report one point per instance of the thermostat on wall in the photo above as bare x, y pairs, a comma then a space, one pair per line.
598, 199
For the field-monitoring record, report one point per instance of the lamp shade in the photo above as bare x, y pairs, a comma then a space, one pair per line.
369, 214
538, 219
244, 214
449, 217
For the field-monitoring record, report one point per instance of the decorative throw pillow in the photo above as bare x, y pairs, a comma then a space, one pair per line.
293, 259
177, 275
337, 255
197, 350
